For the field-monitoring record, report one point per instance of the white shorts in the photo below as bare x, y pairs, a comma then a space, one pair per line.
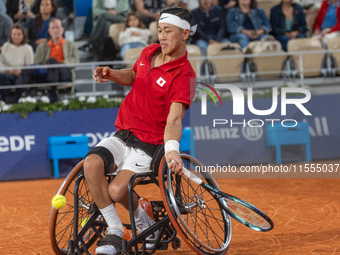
126, 157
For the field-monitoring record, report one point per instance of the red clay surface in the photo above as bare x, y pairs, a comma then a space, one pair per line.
305, 213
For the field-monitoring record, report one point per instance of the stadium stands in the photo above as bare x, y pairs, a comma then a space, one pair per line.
266, 5
114, 32
269, 58
132, 55
334, 44
226, 60
154, 32
308, 64
194, 52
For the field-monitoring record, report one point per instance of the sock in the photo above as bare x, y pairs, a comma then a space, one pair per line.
112, 219
139, 212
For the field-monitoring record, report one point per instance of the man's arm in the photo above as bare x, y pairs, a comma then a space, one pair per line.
173, 133
142, 11
71, 55
98, 7
40, 55
124, 77
8, 23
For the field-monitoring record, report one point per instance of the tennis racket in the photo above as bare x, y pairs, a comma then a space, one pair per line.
240, 210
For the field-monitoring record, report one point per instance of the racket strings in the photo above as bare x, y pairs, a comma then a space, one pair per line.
247, 215
199, 218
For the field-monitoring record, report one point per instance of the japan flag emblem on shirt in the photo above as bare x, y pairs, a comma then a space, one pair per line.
161, 81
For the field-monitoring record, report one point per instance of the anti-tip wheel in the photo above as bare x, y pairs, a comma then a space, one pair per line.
176, 244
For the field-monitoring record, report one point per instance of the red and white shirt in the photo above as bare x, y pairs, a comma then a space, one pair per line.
145, 109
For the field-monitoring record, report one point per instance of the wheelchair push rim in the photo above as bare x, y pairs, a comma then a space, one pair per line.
61, 223
195, 214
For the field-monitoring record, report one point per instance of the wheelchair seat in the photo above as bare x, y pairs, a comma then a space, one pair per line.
156, 159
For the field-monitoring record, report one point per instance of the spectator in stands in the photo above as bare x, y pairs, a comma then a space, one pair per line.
109, 12
3, 9
55, 51
226, 5
288, 22
173, 3
19, 11
38, 27
5, 28
210, 25
149, 10
69, 5
247, 23
327, 22
15, 52
311, 9
190, 4
134, 35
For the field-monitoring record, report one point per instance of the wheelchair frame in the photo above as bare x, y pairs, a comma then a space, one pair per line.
85, 232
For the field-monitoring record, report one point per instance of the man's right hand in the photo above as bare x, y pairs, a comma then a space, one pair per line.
40, 41
156, 15
20, 15
113, 12
102, 74
317, 32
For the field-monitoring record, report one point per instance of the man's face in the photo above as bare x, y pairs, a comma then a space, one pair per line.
206, 4
55, 29
170, 37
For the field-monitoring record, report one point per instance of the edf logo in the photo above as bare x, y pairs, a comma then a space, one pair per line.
16, 143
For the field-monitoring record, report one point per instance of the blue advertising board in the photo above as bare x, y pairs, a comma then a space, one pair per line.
233, 140
24, 141
24, 146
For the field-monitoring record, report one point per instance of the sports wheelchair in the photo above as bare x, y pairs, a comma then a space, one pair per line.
186, 209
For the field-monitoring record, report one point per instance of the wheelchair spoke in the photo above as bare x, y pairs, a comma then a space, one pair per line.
197, 215
62, 220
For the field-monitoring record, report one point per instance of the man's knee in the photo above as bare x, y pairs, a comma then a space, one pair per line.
99, 158
118, 192
51, 61
93, 166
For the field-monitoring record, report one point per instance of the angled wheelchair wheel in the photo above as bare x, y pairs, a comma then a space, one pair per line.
62, 221
195, 214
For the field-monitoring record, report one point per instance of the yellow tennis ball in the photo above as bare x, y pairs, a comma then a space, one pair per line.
58, 202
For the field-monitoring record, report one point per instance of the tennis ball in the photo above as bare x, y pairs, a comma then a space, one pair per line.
58, 201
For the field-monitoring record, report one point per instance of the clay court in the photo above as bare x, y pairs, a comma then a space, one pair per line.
305, 211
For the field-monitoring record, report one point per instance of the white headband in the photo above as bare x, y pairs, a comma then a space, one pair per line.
177, 21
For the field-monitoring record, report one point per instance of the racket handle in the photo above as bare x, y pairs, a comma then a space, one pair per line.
194, 178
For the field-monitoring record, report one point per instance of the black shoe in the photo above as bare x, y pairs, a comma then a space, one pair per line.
86, 47
68, 21
82, 38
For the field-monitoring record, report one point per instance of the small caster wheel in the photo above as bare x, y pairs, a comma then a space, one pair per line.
176, 244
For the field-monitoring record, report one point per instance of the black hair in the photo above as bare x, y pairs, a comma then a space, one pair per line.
53, 13
23, 31
180, 12
253, 4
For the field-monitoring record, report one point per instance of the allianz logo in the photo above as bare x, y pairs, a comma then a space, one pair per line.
208, 133
318, 127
